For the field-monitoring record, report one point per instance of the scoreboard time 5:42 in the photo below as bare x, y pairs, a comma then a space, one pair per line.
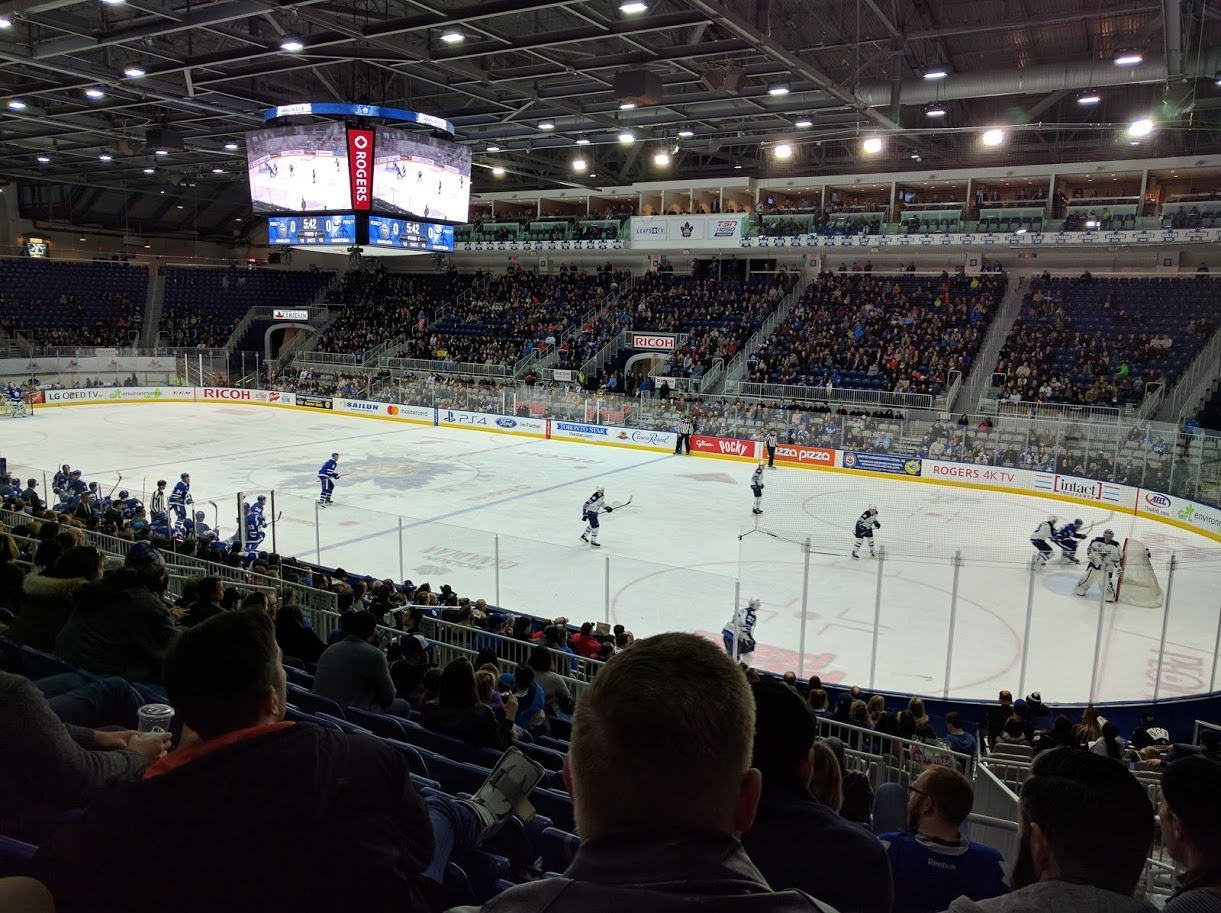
304, 230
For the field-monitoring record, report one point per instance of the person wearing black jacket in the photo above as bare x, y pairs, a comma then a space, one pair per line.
457, 711
250, 813
209, 593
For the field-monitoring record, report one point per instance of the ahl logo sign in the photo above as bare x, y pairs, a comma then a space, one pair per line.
1153, 499
646, 341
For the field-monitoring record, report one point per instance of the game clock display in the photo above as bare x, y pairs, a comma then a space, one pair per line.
408, 235
312, 230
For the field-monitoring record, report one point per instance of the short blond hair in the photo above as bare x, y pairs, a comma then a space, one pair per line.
662, 738
826, 779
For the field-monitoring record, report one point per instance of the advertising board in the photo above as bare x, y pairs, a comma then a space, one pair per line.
881, 462
724, 446
803, 455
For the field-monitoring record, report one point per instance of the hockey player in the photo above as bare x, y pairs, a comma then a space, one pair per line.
739, 633
258, 507
180, 497
866, 523
327, 474
254, 530
1104, 560
158, 504
1067, 537
756, 485
60, 482
16, 402
76, 488
161, 525
594, 505
128, 505
1042, 537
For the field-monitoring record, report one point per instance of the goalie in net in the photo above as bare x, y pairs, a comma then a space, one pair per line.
17, 403
1125, 574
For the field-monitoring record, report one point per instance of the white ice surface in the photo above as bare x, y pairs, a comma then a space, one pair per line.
672, 559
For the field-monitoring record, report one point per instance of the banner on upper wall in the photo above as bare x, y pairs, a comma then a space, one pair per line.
724, 446
1030, 239
109, 364
695, 231
803, 455
868, 461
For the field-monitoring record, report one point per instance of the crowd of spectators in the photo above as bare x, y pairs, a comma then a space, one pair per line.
897, 333
114, 319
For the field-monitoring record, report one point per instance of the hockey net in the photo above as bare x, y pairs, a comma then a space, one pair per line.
1138, 583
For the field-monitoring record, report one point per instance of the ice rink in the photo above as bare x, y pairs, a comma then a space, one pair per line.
424, 191
304, 183
499, 514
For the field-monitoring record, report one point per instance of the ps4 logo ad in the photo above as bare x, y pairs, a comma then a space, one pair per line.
465, 418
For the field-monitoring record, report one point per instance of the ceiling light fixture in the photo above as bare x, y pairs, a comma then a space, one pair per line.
43, 159
627, 137
780, 88
1128, 58
872, 146
582, 140
1141, 127
935, 111
162, 152
783, 151
632, 7
804, 123
685, 132
492, 147
292, 45
626, 105
112, 2
546, 125
993, 137
453, 36
936, 73
231, 146
16, 104
579, 164
150, 170
1089, 98
498, 171
218, 170
133, 72
1134, 142
105, 157
737, 167
661, 159
1217, 77
6, 22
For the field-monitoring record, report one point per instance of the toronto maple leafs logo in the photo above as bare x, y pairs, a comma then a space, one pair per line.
686, 229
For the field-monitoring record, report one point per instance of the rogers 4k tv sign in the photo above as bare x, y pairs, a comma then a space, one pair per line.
360, 167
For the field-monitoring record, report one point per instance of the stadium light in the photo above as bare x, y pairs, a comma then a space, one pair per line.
661, 159
43, 159
936, 73
133, 72
578, 164
292, 45
498, 171
1128, 58
162, 152
112, 2
935, 111
231, 146
94, 92
105, 157
150, 170
685, 132
453, 36
632, 7
627, 137
804, 123
780, 88
6, 22
626, 105
872, 146
492, 147
582, 140
546, 125
1089, 98
16, 104
993, 137
218, 170
1141, 127
783, 151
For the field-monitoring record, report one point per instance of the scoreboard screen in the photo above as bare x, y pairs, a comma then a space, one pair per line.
420, 177
408, 235
312, 230
299, 169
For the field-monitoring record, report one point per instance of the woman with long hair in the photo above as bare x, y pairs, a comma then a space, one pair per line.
1109, 743
458, 712
1090, 728
11, 576
48, 596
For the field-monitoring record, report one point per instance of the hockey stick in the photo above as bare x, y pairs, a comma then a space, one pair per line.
618, 506
116, 485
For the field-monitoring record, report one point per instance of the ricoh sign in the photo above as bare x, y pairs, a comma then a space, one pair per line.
661, 341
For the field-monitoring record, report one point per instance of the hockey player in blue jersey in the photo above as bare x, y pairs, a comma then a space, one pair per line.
756, 485
1067, 537
594, 505
259, 506
739, 632
76, 487
16, 402
161, 525
180, 497
866, 523
254, 529
60, 482
327, 474
128, 505
1042, 537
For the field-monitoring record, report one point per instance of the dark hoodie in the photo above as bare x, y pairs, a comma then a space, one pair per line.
298, 818
44, 610
118, 627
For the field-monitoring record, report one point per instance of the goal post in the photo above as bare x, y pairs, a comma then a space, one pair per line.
1138, 584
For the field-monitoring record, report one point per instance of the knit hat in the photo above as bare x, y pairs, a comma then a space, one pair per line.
143, 556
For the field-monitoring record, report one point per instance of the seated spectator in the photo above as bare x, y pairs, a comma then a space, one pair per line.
11, 575
852, 871
1149, 732
49, 767
931, 862
1191, 832
120, 625
530, 701
818, 701
556, 696
856, 804
1061, 736
585, 643
1109, 744
998, 716
47, 601
1085, 827
208, 594
1012, 740
662, 787
411, 659
1089, 730
826, 779
295, 637
956, 738
355, 673
457, 711
250, 803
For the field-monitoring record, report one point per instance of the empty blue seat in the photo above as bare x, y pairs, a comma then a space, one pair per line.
559, 848
313, 703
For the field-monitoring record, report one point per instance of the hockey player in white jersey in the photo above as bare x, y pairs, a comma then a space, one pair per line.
1104, 560
1067, 537
594, 505
756, 485
1042, 537
739, 632
866, 523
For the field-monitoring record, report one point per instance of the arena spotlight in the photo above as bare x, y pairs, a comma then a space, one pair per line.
936, 73
105, 157
685, 132
780, 88
872, 145
631, 7
935, 111
44, 159
546, 125
6, 22
16, 104
292, 45
1128, 58
993, 137
133, 71
579, 164
627, 137
803, 124
150, 170
452, 36
231, 146
582, 140
783, 151
661, 159
492, 147
94, 92
1141, 127
498, 171
1089, 98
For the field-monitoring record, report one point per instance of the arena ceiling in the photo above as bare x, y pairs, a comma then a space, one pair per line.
85, 79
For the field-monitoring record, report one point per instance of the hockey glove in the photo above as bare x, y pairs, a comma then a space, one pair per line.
609, 509
877, 524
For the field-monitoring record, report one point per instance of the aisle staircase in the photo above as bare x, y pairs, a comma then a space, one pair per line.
154, 302
978, 381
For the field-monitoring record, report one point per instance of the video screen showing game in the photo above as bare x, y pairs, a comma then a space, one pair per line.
387, 232
421, 177
299, 169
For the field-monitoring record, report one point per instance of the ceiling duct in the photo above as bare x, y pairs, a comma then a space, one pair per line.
730, 79
638, 87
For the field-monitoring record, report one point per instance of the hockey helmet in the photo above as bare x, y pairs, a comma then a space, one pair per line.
76, 473
185, 476
123, 494
160, 516
601, 490
200, 515
261, 498
1078, 522
334, 456
1052, 518
873, 508
1108, 532
755, 603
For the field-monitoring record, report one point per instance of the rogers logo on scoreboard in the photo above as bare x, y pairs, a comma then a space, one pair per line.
645, 341
360, 165
801, 454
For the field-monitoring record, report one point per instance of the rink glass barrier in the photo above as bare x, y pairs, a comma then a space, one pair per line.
989, 594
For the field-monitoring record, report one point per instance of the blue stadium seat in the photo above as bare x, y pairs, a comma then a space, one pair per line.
415, 760
548, 757
559, 849
388, 727
350, 728
43, 665
457, 776
313, 703
555, 805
